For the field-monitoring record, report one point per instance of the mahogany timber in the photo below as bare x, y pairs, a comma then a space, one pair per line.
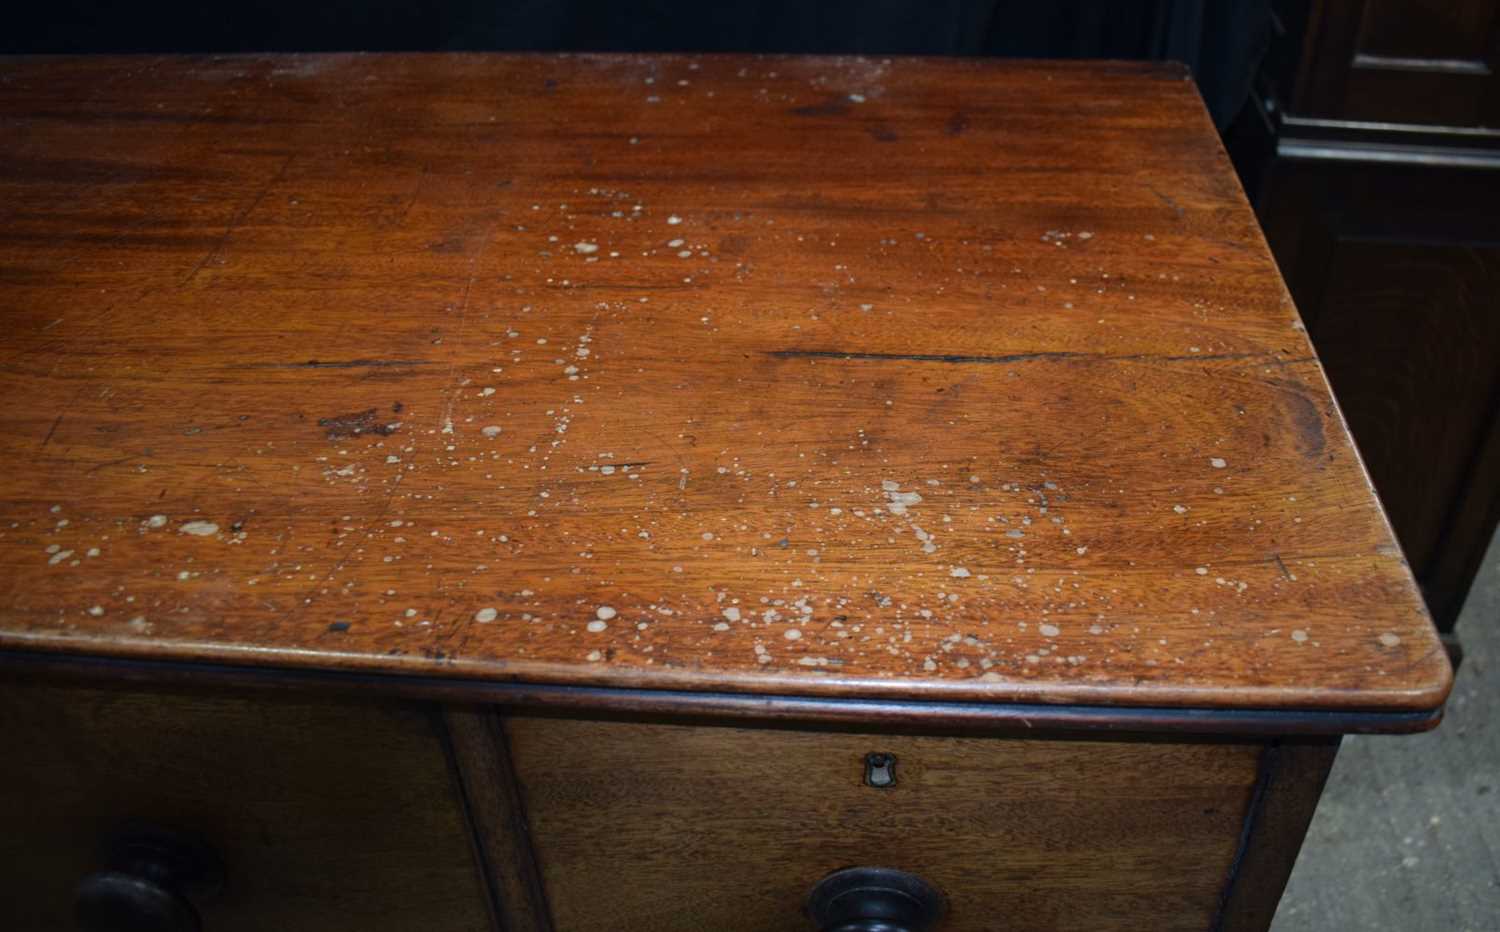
497, 820
327, 814
874, 378
1292, 777
666, 827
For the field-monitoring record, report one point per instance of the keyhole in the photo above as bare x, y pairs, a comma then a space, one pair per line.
880, 770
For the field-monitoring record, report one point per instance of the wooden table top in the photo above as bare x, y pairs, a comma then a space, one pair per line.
839, 377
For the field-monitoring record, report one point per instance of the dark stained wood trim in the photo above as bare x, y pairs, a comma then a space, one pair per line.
497, 818
961, 717
1341, 151
1291, 780
1467, 530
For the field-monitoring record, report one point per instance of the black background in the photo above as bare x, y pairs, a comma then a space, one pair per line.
1221, 40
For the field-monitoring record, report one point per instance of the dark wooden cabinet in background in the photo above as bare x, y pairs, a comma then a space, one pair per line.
1372, 155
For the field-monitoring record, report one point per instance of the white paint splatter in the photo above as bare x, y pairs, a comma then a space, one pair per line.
1049, 631
586, 248
490, 431
959, 572
898, 502
596, 626
1217, 462
1389, 639
604, 613
199, 528
485, 615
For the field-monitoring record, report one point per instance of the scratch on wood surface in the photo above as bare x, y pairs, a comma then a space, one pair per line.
922, 357
833, 106
105, 465
416, 192
239, 218
338, 364
463, 317
463, 314
340, 426
1167, 200
1057, 356
367, 530
1281, 565
52, 430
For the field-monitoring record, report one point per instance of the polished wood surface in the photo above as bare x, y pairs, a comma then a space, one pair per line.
1292, 776
973, 717
1383, 225
327, 815
497, 819
666, 827
891, 378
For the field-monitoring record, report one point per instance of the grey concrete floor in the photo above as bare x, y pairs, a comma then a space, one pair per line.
1407, 835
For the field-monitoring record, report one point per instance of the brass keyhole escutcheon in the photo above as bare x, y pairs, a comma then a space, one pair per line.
880, 770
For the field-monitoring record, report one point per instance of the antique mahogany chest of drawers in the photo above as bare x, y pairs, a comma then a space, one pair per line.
455, 492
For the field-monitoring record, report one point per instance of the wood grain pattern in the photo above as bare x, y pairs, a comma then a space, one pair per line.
1293, 774
943, 380
1397, 274
328, 815
664, 827
497, 819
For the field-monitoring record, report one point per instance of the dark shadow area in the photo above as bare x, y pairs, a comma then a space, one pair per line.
1221, 41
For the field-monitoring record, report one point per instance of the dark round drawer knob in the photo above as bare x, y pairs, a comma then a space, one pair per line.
146, 884
874, 899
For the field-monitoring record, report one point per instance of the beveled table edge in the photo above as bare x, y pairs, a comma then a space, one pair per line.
962, 717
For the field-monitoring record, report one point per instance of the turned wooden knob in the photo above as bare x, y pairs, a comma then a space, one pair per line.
146, 884
874, 899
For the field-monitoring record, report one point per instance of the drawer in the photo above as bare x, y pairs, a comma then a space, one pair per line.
665, 827
326, 815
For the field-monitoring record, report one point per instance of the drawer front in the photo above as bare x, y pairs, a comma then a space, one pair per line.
676, 827
326, 816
